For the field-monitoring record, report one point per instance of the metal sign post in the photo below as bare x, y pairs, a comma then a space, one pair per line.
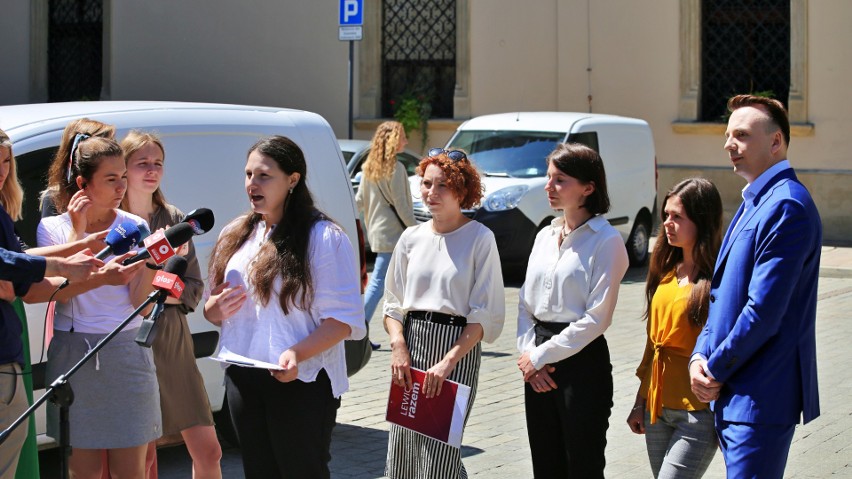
351, 20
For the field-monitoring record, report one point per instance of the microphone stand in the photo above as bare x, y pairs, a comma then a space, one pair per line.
61, 394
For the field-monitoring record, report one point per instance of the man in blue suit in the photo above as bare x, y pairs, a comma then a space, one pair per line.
756, 357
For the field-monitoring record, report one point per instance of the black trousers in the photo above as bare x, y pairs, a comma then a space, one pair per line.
567, 426
284, 428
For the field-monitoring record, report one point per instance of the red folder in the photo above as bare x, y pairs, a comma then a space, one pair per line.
440, 417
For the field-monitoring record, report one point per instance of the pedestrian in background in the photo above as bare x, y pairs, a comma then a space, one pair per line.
445, 296
385, 199
756, 357
566, 304
678, 428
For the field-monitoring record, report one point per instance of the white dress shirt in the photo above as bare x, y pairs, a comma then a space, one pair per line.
456, 273
576, 283
263, 332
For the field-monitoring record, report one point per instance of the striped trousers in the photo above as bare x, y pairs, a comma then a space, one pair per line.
412, 455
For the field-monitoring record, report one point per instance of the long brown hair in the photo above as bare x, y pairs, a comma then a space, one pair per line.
133, 142
285, 253
703, 206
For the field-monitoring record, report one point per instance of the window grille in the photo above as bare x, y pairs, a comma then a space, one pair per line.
75, 50
419, 54
745, 48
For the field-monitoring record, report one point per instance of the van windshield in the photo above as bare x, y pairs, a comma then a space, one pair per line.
518, 154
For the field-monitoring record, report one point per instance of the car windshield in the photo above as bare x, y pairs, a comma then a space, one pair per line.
518, 154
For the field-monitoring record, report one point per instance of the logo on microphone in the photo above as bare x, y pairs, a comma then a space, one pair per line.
196, 226
168, 282
158, 247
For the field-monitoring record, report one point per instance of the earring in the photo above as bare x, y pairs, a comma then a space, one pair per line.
291, 190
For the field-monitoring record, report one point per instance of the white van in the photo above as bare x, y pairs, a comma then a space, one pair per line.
509, 149
206, 147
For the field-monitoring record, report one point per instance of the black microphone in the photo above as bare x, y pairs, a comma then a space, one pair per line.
168, 282
201, 220
120, 240
175, 236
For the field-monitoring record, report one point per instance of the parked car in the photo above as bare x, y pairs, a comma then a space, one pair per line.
206, 146
510, 149
356, 151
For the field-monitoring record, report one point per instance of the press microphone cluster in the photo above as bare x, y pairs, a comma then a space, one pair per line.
120, 240
167, 282
161, 245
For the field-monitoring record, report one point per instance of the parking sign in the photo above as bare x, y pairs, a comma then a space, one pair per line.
351, 12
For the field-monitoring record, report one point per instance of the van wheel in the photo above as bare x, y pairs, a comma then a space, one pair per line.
637, 242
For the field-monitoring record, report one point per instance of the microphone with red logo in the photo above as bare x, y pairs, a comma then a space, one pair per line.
167, 283
161, 245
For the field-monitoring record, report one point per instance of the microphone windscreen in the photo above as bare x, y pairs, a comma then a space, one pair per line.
122, 238
144, 232
201, 220
179, 234
176, 265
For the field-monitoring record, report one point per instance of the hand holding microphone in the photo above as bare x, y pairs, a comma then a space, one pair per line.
167, 282
119, 241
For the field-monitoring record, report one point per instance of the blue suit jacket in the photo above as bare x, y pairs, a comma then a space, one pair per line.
759, 338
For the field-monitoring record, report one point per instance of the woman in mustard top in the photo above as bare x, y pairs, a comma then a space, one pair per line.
678, 428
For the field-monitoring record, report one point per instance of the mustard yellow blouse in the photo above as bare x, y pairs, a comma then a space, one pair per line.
664, 370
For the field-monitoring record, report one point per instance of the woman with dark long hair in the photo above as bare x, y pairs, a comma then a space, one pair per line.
678, 428
286, 292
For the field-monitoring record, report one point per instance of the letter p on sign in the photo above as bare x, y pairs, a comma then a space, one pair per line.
351, 12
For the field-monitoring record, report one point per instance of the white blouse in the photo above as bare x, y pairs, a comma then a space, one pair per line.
97, 311
456, 273
263, 332
576, 283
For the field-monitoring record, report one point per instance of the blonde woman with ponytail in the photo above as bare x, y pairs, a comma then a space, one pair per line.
385, 199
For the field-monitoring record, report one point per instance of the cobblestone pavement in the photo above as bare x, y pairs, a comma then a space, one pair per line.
495, 441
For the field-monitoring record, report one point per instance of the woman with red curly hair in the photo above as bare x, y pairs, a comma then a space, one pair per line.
444, 295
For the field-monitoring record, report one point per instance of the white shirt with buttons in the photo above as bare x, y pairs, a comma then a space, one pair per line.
576, 283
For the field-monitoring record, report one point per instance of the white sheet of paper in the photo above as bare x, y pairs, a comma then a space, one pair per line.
229, 357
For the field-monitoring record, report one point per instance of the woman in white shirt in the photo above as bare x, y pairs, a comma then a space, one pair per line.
444, 295
287, 292
566, 304
116, 405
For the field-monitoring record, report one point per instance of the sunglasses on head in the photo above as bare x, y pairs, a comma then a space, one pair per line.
455, 155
